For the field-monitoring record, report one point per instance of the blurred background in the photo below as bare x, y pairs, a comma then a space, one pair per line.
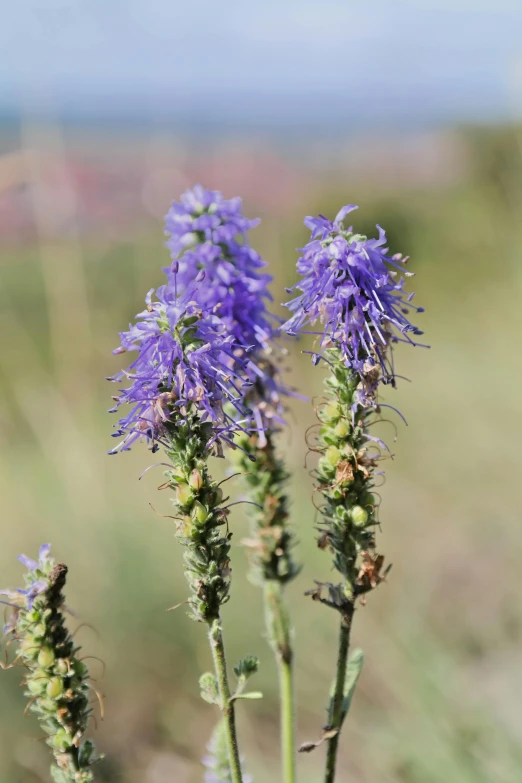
108, 111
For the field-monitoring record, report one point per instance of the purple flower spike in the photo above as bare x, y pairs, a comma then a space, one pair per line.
186, 360
214, 265
213, 262
355, 290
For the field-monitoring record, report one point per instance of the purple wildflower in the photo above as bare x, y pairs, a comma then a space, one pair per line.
214, 265
353, 288
219, 268
186, 360
37, 584
204, 215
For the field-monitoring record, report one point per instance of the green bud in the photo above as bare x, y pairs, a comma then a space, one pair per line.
196, 480
333, 455
185, 527
330, 412
342, 428
33, 615
62, 667
55, 687
46, 657
37, 685
79, 668
29, 647
183, 494
218, 495
62, 740
39, 630
325, 466
359, 516
199, 513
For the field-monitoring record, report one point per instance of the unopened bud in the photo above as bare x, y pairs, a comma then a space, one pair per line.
46, 657
183, 494
199, 513
359, 516
55, 687
333, 455
342, 428
196, 480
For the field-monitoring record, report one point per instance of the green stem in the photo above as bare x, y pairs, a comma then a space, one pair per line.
336, 709
227, 706
279, 633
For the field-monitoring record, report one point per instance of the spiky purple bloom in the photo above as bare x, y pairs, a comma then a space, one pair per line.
205, 215
352, 287
212, 260
186, 360
35, 584
213, 264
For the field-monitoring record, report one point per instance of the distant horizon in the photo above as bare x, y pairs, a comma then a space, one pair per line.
292, 64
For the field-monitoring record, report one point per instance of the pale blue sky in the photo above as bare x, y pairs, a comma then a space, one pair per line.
441, 56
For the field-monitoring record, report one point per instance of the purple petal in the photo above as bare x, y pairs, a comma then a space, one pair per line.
343, 212
28, 562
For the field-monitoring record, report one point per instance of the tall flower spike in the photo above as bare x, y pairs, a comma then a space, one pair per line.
188, 394
353, 287
213, 263
56, 678
351, 290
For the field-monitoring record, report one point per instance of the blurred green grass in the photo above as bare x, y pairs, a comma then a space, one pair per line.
439, 697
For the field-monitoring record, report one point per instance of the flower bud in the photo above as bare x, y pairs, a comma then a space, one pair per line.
29, 647
333, 455
325, 466
38, 685
62, 740
359, 516
342, 428
218, 495
196, 480
46, 657
199, 513
330, 412
62, 667
55, 687
183, 494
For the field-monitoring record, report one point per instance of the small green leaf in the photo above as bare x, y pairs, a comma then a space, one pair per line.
246, 667
353, 670
209, 688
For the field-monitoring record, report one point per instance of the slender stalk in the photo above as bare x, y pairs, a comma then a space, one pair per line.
227, 706
336, 710
287, 721
279, 634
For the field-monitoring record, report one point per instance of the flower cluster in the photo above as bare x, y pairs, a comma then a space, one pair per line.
56, 678
186, 361
211, 259
353, 288
213, 263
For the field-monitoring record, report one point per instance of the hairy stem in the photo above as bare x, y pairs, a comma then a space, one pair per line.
336, 709
227, 706
279, 634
